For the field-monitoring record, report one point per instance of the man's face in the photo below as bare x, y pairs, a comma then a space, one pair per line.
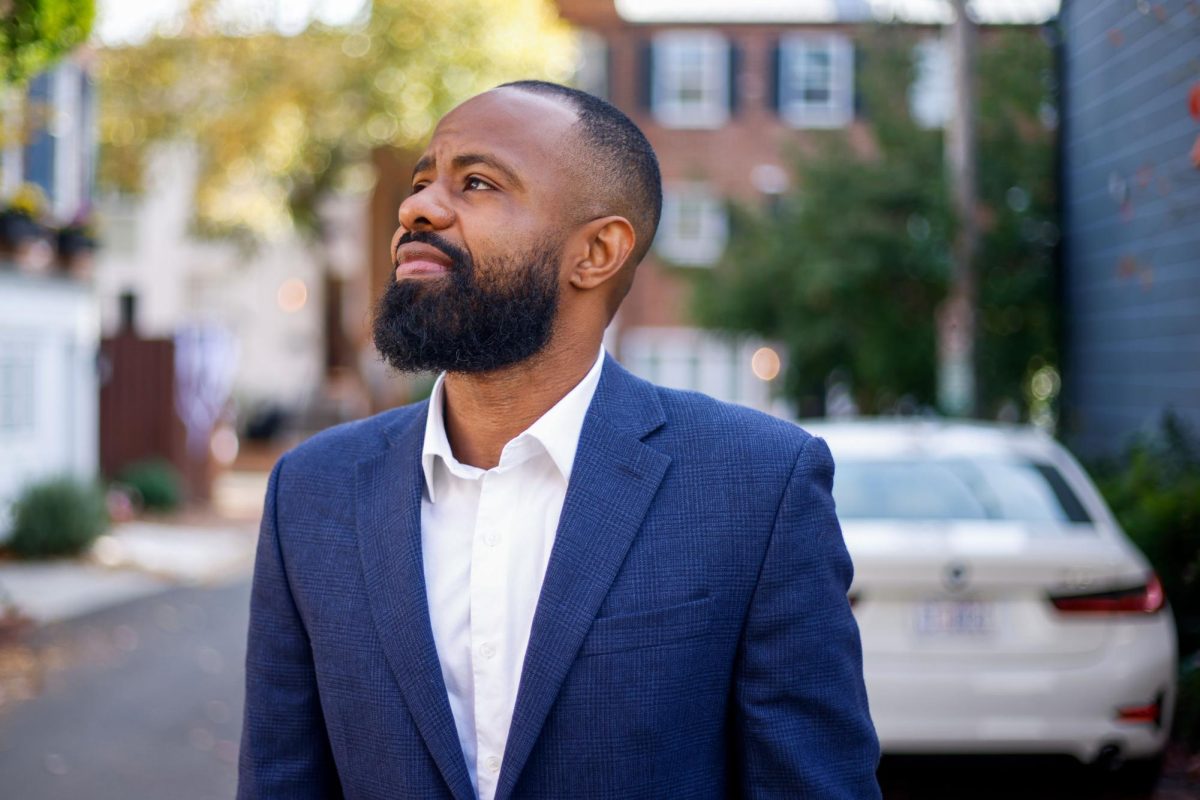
477, 256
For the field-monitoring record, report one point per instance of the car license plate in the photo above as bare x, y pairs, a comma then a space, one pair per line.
955, 618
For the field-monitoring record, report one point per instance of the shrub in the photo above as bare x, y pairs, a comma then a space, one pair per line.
57, 517
1187, 709
156, 481
1154, 491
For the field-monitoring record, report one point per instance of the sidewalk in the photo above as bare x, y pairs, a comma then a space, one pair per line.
135, 559
144, 557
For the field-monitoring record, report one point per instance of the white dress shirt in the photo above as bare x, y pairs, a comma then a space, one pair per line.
486, 537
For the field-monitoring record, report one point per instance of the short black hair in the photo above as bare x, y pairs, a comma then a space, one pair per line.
620, 155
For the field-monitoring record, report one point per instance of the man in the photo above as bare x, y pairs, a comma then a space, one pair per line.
552, 580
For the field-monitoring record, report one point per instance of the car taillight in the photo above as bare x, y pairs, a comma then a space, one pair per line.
1149, 715
1145, 598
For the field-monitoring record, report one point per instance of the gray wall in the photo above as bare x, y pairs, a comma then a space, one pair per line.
1131, 216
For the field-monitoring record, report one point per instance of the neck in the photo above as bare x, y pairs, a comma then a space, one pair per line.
484, 412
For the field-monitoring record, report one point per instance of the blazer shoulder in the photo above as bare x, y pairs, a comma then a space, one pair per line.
350, 442
730, 428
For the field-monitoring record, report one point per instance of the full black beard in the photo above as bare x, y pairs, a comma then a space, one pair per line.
455, 323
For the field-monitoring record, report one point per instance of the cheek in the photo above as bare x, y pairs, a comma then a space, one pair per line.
490, 242
507, 240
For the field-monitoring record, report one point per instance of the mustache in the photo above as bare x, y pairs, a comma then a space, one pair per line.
460, 261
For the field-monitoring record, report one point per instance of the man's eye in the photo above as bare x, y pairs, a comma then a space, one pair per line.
477, 183
417, 187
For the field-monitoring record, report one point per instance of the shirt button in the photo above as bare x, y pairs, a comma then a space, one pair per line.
493, 764
490, 538
487, 649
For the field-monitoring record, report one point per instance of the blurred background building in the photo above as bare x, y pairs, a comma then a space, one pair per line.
274, 298
247, 221
1130, 144
49, 323
252, 313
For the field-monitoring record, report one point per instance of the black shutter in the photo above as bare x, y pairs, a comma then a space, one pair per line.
775, 79
735, 69
646, 77
860, 100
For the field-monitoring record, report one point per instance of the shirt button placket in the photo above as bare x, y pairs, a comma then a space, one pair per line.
490, 607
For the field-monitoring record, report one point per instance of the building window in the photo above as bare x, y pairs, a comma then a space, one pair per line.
694, 225
16, 390
717, 364
120, 215
690, 79
816, 81
591, 70
929, 98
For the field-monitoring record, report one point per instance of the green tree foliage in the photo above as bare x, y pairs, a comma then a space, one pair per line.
36, 33
281, 120
847, 270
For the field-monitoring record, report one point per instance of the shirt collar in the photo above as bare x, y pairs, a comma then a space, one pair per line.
557, 431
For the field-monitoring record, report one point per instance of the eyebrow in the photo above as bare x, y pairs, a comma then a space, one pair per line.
465, 160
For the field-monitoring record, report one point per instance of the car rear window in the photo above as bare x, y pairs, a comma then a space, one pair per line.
954, 489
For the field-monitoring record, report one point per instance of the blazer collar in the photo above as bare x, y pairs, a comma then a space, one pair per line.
627, 403
555, 433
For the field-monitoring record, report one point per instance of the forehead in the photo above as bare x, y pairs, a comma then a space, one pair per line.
522, 129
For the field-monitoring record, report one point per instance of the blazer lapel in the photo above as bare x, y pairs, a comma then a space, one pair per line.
613, 480
389, 528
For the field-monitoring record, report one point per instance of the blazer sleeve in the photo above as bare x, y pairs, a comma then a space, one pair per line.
285, 749
802, 727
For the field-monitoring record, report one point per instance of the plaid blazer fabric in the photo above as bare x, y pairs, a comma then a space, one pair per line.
692, 637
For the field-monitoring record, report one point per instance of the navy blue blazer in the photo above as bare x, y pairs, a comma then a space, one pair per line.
692, 638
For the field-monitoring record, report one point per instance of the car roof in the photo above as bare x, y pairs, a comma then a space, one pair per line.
899, 437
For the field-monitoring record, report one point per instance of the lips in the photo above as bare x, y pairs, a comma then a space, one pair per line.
418, 258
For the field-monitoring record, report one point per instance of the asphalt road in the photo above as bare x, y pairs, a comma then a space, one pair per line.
138, 701
143, 701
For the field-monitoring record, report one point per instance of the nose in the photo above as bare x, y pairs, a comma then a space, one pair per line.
426, 210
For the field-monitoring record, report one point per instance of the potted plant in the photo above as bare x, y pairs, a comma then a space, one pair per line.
19, 226
76, 241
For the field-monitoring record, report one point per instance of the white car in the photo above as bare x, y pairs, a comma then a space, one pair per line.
1002, 609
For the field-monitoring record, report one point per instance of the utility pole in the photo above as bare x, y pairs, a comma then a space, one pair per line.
956, 317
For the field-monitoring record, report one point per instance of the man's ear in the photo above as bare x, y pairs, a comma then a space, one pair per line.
606, 245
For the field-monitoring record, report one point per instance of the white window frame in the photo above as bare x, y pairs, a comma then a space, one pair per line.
694, 226
18, 381
794, 73
694, 359
699, 56
66, 126
932, 92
